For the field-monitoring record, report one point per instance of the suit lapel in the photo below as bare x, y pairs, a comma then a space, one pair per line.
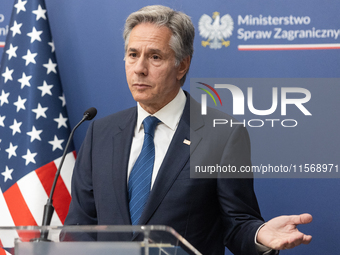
121, 154
175, 159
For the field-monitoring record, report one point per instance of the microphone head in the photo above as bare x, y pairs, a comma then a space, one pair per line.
90, 113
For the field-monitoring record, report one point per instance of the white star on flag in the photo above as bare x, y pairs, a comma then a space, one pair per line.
11, 51
51, 67
63, 100
20, 104
11, 150
25, 80
56, 143
52, 46
34, 134
7, 174
45, 89
40, 111
2, 118
15, 127
8, 74
29, 57
35, 35
40, 12
16, 28
29, 157
4, 97
61, 121
20, 6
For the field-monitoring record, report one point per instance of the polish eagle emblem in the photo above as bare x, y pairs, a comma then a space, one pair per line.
216, 30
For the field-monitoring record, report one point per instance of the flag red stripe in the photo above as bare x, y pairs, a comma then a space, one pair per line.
61, 198
17, 207
46, 175
2, 252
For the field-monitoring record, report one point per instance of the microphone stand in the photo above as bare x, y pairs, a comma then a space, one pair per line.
49, 208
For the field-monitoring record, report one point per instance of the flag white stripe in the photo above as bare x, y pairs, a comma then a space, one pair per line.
55, 221
5, 215
66, 171
34, 195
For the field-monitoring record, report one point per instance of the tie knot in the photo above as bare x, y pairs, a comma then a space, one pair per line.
150, 124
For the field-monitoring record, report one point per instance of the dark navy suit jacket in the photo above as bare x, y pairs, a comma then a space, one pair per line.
209, 213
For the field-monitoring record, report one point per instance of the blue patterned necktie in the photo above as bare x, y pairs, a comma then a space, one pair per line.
140, 176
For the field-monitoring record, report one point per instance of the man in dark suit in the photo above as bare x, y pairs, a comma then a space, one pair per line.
209, 213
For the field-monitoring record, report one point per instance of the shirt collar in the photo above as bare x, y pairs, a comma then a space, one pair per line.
169, 115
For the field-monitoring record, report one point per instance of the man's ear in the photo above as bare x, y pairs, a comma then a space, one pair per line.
183, 67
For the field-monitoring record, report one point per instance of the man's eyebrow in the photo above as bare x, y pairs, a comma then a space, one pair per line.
132, 49
155, 51
158, 51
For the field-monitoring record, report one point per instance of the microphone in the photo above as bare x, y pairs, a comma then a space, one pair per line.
89, 114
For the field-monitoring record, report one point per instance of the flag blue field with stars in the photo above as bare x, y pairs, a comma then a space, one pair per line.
34, 126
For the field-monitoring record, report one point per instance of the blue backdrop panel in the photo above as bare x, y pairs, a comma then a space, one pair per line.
90, 52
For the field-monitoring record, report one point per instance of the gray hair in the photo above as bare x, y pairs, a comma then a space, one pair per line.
183, 31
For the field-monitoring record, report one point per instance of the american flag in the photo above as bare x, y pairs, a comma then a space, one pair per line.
34, 126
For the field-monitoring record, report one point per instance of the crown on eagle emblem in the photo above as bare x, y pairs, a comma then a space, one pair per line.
216, 30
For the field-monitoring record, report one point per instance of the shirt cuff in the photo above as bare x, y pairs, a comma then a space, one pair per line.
262, 249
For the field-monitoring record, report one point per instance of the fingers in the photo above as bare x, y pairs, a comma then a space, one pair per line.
282, 233
304, 218
296, 240
307, 239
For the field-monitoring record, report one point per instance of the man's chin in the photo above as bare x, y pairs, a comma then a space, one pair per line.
142, 99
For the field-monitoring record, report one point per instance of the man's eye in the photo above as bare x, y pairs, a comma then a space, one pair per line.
155, 57
133, 55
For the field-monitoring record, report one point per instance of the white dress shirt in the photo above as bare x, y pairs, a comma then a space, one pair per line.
169, 116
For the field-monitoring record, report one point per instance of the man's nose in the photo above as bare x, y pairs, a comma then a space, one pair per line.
141, 66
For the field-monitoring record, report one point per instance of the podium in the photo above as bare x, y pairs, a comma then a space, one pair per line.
96, 239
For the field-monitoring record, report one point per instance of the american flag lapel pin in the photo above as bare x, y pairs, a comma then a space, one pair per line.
187, 142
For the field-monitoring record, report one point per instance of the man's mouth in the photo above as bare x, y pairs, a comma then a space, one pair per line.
141, 85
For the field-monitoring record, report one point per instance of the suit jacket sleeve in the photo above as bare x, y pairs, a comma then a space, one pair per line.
240, 211
227, 145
